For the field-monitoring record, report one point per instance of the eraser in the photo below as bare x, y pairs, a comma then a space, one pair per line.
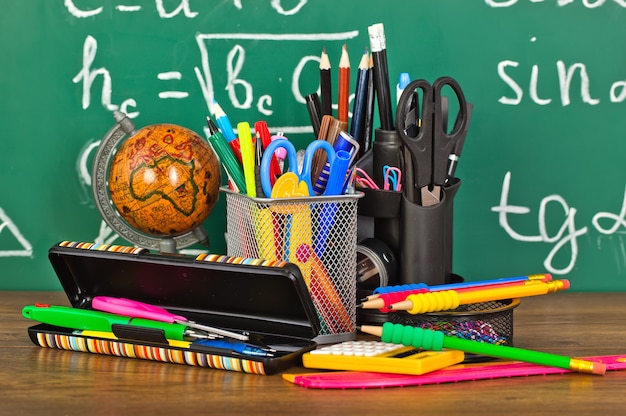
598, 368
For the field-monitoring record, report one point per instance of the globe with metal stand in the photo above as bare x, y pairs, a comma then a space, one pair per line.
156, 186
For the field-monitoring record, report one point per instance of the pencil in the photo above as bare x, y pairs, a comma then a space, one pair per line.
387, 299
325, 85
451, 299
360, 100
437, 340
381, 74
368, 121
545, 277
343, 96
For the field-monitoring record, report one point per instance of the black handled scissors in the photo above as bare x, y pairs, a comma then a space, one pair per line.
430, 145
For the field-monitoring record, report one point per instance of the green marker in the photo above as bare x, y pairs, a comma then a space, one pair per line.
226, 155
437, 340
89, 320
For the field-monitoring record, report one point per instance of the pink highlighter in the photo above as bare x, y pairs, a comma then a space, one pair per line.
135, 309
452, 374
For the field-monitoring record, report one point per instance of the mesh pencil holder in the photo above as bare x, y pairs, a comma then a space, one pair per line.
490, 322
318, 234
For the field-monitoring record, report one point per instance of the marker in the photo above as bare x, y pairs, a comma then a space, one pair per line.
227, 129
227, 156
437, 340
247, 157
89, 320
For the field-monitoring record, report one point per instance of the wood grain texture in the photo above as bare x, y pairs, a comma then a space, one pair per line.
36, 380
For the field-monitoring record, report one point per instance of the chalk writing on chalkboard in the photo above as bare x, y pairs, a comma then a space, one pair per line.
8, 226
87, 75
606, 223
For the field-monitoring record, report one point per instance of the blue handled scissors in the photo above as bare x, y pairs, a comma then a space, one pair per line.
304, 174
430, 146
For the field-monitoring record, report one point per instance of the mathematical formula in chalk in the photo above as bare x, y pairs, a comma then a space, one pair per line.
606, 223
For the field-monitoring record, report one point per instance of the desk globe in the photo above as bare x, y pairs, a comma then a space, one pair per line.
163, 181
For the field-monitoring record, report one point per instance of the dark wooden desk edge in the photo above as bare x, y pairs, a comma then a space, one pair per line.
41, 380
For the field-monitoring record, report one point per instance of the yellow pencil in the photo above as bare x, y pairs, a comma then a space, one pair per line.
451, 299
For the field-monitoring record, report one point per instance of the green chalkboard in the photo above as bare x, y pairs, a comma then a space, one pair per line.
542, 171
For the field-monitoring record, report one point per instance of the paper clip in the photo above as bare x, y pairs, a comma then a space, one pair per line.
364, 180
392, 176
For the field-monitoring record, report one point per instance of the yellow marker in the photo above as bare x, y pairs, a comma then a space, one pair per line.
247, 157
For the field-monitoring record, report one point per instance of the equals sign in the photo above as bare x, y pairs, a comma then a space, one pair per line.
167, 76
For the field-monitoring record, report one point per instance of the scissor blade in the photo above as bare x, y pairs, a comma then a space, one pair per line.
431, 196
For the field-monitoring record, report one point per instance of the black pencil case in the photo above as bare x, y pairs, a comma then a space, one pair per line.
267, 300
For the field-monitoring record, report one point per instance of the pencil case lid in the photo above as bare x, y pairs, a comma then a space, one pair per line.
266, 297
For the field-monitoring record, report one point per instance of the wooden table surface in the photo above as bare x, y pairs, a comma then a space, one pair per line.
35, 380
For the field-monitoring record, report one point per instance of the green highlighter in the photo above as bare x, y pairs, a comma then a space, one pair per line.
89, 320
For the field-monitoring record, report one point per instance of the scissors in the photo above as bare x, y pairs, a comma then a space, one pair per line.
430, 145
136, 309
301, 175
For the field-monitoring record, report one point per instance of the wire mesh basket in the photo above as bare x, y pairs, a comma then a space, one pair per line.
318, 234
490, 322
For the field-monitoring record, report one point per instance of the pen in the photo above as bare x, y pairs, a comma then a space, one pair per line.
239, 347
437, 340
263, 132
85, 319
247, 157
315, 113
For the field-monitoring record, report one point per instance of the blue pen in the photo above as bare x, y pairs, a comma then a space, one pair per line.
239, 347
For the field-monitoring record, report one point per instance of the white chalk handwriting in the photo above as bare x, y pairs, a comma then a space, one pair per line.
568, 233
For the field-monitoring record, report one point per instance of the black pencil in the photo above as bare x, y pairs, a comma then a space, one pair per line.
381, 75
325, 85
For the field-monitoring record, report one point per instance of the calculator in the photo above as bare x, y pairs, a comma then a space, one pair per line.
379, 357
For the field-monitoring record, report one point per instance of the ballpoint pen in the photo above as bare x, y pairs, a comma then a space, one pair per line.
239, 347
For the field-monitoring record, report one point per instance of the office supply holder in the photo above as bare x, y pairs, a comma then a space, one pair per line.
318, 234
